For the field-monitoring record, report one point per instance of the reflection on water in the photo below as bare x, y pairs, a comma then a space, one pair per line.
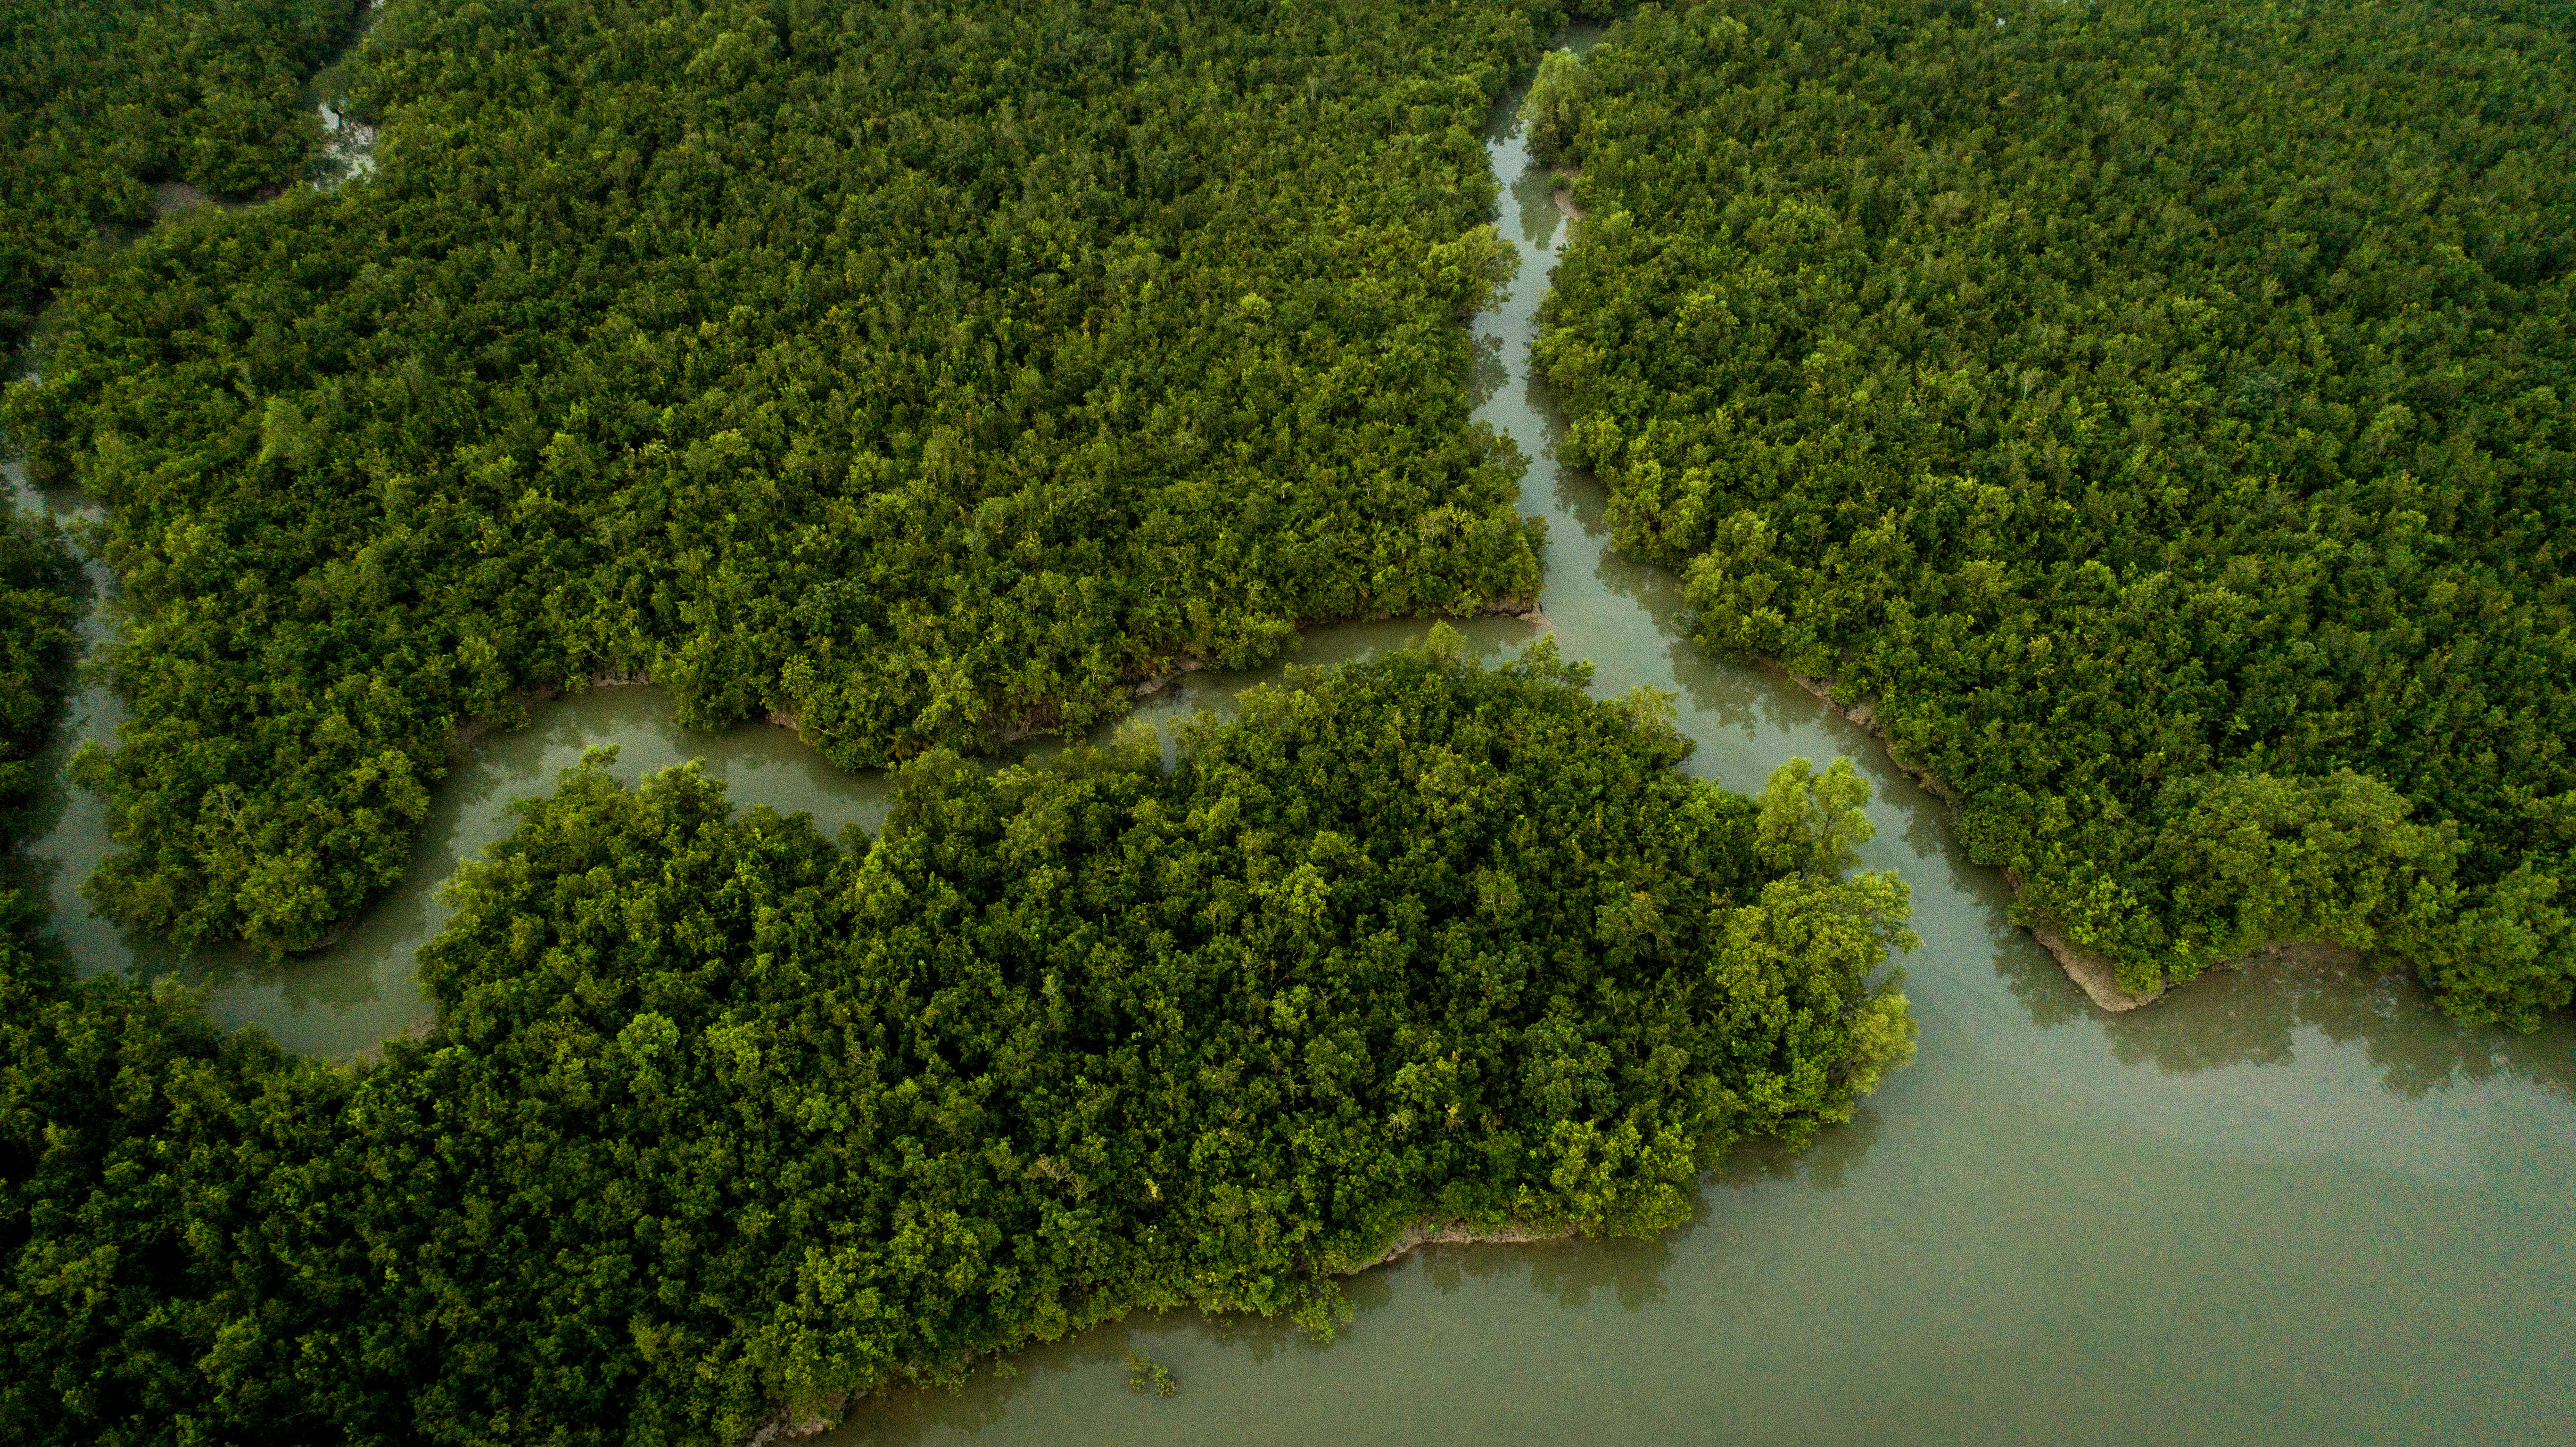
1487, 373
343, 1000
2262, 1016
2287, 1205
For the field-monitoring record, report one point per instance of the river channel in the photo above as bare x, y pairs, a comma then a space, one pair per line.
2289, 1205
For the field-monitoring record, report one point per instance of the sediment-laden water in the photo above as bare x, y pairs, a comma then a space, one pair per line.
2291, 1205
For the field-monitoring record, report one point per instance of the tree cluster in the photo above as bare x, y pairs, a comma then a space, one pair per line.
41, 590
924, 372
718, 1116
99, 99
2158, 411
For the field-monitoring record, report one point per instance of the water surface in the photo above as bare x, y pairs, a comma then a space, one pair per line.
2286, 1206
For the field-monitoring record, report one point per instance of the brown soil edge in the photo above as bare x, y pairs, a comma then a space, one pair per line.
1459, 1233
2097, 977
786, 1426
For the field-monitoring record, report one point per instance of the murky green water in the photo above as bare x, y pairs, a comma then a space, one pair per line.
2293, 1206
343, 1000
2287, 1207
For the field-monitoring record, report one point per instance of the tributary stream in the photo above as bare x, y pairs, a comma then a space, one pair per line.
2286, 1205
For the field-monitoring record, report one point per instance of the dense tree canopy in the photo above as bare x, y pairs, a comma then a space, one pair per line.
2158, 411
719, 1116
101, 98
922, 371
40, 593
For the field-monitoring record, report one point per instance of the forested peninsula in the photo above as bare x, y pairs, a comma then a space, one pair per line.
918, 373
2152, 417
719, 1117
2155, 414
921, 375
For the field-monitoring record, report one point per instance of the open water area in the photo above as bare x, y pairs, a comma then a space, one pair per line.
2286, 1205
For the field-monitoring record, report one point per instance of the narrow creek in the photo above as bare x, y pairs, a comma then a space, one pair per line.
2288, 1205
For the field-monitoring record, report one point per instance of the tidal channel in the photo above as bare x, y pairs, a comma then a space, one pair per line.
2286, 1205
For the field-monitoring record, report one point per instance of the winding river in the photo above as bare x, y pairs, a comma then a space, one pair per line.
2292, 1205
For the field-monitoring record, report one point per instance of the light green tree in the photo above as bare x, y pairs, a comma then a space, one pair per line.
1553, 109
1813, 823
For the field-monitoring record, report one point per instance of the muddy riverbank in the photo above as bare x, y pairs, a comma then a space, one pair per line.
2291, 1204
2257, 1195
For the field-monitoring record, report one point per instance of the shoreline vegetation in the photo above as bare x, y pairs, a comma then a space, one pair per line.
114, 112
1104, 384
721, 1124
719, 1116
42, 590
2097, 977
514, 710
794, 1425
2189, 499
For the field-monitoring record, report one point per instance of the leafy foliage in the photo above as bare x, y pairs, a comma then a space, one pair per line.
166, 1215
924, 372
1549, 112
718, 1116
2160, 410
153, 1176
101, 98
40, 592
